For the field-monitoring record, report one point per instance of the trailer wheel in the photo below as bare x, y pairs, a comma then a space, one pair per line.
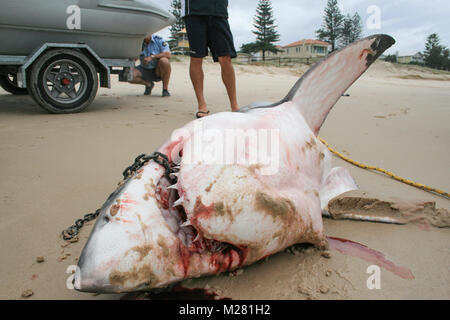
63, 81
9, 83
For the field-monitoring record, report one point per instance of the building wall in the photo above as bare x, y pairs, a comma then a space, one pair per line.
183, 42
408, 59
404, 59
302, 51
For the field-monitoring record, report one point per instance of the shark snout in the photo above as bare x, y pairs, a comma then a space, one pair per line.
81, 283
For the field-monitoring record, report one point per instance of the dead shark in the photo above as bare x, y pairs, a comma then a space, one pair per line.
226, 211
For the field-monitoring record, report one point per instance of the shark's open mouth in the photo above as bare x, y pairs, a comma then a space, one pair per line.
172, 209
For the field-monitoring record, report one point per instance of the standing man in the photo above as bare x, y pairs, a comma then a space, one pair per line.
207, 27
155, 65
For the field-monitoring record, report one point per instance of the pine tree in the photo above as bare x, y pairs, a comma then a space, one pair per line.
178, 25
351, 30
266, 34
357, 27
333, 21
446, 59
433, 53
346, 31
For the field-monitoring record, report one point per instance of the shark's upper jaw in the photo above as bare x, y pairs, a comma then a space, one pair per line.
103, 252
121, 237
96, 261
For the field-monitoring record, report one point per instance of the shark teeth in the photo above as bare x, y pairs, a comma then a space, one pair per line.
179, 202
187, 223
175, 174
197, 237
173, 187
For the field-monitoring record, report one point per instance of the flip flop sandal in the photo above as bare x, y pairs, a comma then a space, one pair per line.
201, 112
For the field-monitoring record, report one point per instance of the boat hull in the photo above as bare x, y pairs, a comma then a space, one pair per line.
113, 29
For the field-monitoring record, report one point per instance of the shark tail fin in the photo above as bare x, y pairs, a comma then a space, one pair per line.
323, 84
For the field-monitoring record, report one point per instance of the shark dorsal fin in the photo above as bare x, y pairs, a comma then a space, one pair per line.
318, 90
321, 87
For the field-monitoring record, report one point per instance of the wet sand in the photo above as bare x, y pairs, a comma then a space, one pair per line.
56, 168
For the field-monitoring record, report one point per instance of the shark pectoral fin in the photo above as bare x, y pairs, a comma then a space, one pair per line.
322, 85
337, 182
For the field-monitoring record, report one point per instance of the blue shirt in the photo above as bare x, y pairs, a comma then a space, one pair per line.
157, 45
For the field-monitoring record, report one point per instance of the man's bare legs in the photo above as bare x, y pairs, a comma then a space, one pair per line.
229, 80
197, 77
163, 70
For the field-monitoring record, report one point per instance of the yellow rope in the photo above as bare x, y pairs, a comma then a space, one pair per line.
411, 183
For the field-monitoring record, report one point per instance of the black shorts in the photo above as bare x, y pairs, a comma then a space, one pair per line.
209, 32
148, 74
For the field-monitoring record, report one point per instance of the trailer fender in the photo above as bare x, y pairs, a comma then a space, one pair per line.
100, 65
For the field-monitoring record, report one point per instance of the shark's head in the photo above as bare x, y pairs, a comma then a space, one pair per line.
147, 236
135, 242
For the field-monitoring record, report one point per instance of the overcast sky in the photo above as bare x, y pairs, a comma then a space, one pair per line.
408, 21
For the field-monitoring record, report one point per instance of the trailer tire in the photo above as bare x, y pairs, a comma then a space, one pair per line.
63, 81
10, 85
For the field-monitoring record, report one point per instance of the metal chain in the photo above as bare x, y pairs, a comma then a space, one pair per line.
71, 232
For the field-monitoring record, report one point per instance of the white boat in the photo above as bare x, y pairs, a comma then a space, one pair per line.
112, 28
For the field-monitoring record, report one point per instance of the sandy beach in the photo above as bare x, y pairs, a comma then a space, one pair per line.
56, 168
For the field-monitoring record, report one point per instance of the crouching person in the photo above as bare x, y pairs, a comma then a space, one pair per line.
155, 65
